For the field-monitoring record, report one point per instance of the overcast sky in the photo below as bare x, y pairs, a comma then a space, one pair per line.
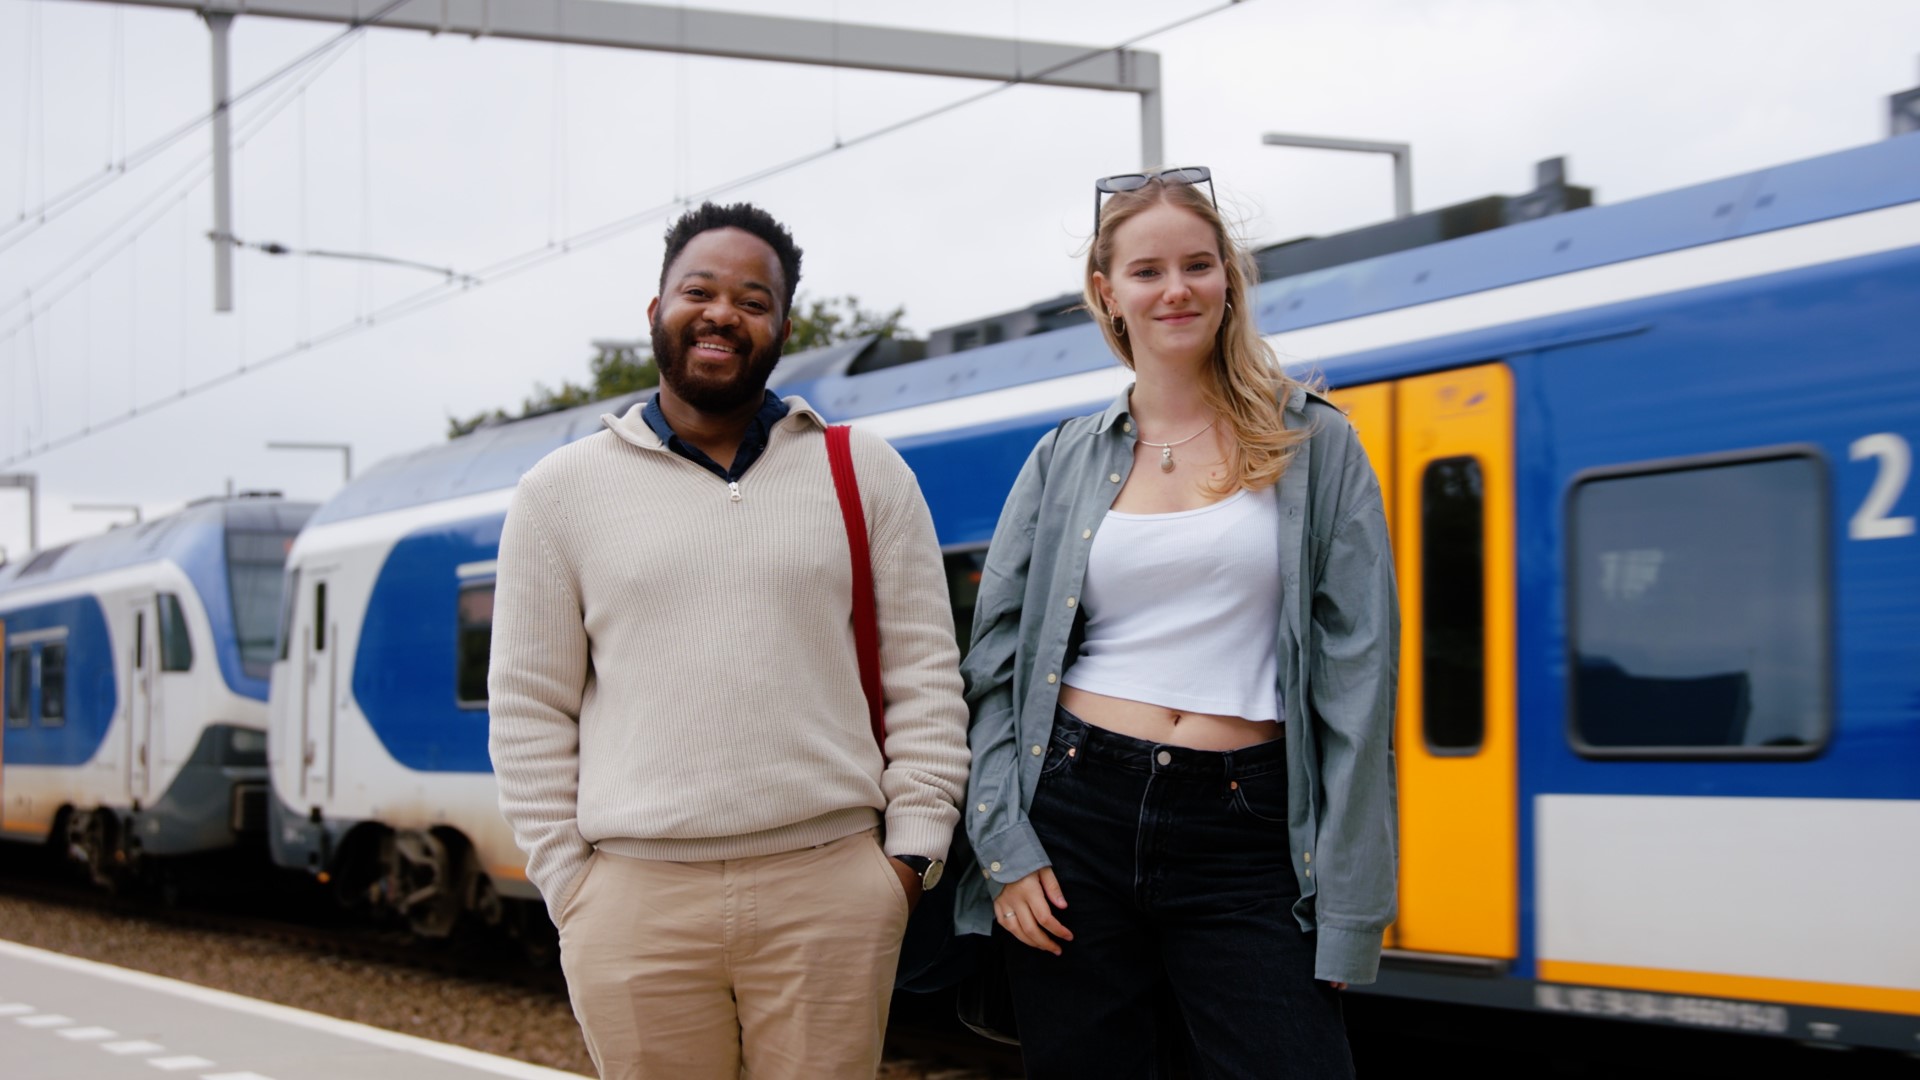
463, 153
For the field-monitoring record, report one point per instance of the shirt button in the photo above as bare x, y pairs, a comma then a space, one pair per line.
1306, 856
1115, 477
1127, 426
1309, 873
1037, 751
1052, 678
995, 867
1163, 758
1071, 601
984, 874
1086, 534
982, 808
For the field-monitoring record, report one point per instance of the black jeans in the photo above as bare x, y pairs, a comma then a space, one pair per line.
1177, 878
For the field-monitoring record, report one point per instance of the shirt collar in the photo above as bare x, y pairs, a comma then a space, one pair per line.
772, 411
1122, 407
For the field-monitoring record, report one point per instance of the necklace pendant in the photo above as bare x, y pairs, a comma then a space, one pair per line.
1166, 459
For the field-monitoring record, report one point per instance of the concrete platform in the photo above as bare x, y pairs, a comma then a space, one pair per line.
63, 1018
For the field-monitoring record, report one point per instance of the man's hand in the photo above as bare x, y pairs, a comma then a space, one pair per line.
909, 880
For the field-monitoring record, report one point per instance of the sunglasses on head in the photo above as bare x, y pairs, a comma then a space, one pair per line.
1113, 185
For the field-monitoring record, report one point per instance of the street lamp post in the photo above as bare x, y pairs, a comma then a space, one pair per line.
114, 508
1402, 160
31, 483
344, 449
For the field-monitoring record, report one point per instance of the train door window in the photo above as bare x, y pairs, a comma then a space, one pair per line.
139, 640
320, 617
963, 587
1453, 606
475, 621
53, 684
19, 686
1699, 613
288, 597
176, 647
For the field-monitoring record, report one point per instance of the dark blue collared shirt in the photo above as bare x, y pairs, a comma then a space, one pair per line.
752, 444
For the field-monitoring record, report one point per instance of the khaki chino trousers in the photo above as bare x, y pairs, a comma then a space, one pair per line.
766, 968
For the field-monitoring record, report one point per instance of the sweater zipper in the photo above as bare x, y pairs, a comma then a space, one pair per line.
733, 491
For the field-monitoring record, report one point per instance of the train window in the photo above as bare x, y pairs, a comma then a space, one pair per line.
475, 619
963, 587
19, 685
139, 640
256, 562
1698, 610
53, 684
320, 617
1452, 606
288, 597
176, 648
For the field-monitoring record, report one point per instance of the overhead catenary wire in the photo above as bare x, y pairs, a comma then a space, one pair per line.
533, 258
192, 176
30, 221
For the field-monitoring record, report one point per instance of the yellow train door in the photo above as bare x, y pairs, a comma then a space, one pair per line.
1453, 534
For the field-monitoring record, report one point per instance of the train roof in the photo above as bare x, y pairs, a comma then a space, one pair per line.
1848, 182
176, 536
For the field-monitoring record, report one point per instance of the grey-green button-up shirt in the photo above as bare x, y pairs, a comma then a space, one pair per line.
1338, 653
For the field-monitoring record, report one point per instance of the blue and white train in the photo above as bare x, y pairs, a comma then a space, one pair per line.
1648, 468
135, 685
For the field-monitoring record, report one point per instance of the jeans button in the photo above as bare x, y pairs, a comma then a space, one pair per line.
1163, 757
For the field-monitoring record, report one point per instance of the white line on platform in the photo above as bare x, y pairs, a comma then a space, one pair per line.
180, 1064
15, 1009
346, 1029
132, 1046
44, 1020
86, 1034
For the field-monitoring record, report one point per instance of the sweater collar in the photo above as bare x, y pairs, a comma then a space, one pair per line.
632, 427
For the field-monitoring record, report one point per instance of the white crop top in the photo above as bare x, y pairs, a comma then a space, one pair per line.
1183, 609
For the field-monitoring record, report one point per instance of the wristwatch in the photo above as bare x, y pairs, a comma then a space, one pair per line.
928, 869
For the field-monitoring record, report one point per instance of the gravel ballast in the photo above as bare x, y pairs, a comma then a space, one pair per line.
531, 1022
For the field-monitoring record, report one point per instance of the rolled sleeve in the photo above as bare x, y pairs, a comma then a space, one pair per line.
1355, 664
997, 826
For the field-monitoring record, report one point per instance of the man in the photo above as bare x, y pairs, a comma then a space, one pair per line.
678, 728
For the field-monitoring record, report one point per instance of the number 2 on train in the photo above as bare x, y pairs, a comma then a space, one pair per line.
1871, 522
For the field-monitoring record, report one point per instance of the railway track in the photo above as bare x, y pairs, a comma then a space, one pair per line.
296, 948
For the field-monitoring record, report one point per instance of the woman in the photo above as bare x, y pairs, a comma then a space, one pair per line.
1182, 679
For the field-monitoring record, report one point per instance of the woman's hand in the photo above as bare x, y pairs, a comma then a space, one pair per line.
1023, 910
1337, 985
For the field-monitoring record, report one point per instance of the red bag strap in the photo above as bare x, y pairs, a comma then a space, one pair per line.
866, 626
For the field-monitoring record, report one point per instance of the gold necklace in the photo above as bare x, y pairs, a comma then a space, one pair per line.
1166, 448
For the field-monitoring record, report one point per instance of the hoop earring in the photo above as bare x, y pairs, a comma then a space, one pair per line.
1229, 307
1119, 325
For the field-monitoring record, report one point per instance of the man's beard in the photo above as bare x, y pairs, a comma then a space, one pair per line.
747, 384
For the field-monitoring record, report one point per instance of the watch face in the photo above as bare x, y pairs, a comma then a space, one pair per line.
931, 876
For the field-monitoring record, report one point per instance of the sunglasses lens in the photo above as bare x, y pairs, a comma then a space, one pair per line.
1193, 175
1128, 182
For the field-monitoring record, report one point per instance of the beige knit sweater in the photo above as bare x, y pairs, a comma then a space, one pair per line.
673, 670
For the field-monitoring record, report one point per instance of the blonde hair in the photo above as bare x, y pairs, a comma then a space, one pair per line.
1243, 383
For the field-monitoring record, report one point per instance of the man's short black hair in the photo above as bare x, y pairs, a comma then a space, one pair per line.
747, 218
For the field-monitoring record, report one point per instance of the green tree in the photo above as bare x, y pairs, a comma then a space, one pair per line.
824, 322
617, 367
621, 367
